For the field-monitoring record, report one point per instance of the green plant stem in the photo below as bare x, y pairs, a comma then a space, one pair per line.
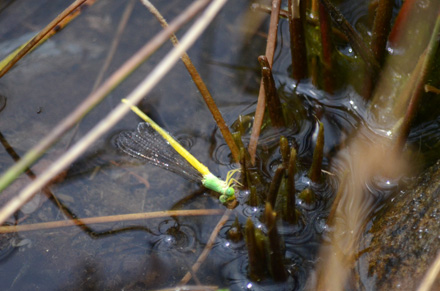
353, 37
284, 150
273, 103
291, 215
255, 247
275, 185
276, 254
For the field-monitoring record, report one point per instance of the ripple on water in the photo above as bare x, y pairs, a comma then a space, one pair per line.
235, 273
181, 238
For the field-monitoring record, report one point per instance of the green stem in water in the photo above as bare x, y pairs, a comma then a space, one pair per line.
275, 185
255, 246
276, 253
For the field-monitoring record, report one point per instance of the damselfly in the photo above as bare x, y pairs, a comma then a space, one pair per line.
154, 145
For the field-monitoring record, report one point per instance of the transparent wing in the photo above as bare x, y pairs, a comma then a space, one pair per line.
147, 145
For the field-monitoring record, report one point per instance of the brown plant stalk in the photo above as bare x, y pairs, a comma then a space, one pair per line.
108, 219
207, 248
198, 81
270, 50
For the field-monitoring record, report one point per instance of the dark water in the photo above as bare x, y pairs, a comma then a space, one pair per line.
157, 253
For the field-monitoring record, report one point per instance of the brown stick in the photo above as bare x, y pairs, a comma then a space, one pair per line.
107, 219
327, 49
270, 50
207, 248
201, 86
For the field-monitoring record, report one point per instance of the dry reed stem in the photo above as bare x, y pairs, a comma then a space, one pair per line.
97, 96
207, 248
270, 50
118, 113
198, 81
107, 219
40, 36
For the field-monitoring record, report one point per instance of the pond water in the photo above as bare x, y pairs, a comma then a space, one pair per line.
151, 254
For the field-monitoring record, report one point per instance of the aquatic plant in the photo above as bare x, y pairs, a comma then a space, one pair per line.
335, 109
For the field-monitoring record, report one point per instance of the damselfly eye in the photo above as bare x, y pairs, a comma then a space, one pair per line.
230, 192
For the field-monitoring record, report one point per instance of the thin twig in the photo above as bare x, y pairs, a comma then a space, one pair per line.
97, 96
118, 113
107, 219
36, 39
207, 248
270, 51
198, 81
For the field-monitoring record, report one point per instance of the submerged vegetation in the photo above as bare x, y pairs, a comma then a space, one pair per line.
339, 118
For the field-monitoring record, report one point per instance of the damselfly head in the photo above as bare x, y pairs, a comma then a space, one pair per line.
228, 195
